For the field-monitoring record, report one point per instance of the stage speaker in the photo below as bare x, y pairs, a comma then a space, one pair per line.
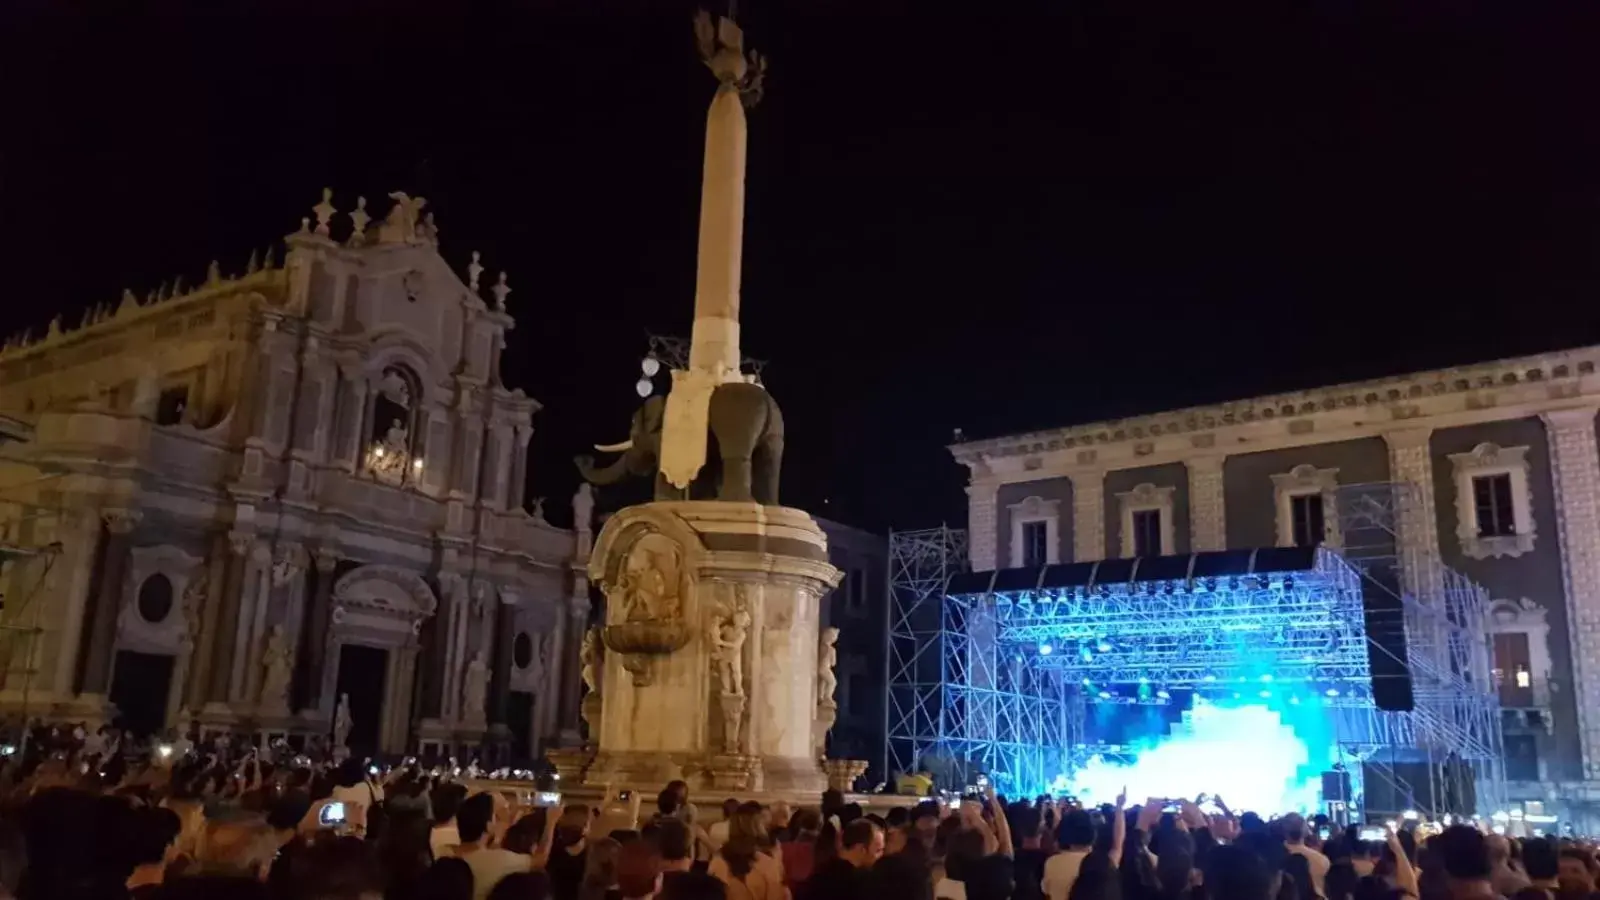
1336, 787
1386, 640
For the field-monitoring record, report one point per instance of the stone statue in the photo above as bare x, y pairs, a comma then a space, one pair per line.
194, 603
748, 427
827, 658
722, 48
341, 721
589, 659
727, 639
400, 225
277, 661
475, 688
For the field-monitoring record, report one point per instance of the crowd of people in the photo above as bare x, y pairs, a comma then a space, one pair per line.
196, 828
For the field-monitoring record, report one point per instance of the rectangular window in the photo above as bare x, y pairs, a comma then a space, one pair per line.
1522, 757
1147, 532
855, 583
1491, 498
1305, 513
858, 695
1513, 669
1035, 544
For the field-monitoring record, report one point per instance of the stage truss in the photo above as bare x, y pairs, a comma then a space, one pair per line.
972, 686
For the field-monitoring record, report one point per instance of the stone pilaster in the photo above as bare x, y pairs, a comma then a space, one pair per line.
505, 630
252, 594
576, 622
1575, 471
100, 628
1088, 516
1208, 521
983, 526
352, 417
1411, 465
519, 467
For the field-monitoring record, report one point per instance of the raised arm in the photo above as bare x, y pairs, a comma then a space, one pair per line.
1119, 828
1405, 877
1002, 825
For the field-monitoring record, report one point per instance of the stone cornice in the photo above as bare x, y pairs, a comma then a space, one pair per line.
1511, 388
127, 317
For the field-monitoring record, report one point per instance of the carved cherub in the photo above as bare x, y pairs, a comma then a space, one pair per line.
589, 659
827, 658
727, 639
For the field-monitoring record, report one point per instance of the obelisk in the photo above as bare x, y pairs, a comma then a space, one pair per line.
711, 634
714, 341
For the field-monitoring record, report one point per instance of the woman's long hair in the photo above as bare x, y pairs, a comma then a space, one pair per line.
747, 834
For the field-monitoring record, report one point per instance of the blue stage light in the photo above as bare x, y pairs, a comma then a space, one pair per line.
1294, 701
1104, 646
1266, 679
1210, 678
1266, 694
1105, 695
1046, 649
1163, 695
1332, 692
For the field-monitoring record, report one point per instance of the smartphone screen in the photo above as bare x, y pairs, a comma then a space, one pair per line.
1373, 833
547, 798
331, 814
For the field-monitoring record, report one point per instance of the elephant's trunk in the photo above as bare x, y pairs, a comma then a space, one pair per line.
615, 448
609, 475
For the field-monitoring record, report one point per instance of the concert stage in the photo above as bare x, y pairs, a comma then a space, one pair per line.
1262, 675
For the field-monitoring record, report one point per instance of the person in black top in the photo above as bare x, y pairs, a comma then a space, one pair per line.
1028, 864
846, 876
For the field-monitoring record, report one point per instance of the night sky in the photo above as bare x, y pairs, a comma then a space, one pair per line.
1021, 217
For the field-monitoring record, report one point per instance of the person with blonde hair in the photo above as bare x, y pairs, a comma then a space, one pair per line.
748, 871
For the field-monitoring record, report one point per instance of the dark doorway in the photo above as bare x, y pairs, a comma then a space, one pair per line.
519, 718
361, 674
139, 685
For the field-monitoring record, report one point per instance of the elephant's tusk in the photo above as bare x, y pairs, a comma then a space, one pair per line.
615, 448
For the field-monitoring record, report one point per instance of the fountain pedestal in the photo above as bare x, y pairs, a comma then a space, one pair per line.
711, 647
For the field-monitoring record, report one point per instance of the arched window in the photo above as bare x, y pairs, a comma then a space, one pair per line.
393, 449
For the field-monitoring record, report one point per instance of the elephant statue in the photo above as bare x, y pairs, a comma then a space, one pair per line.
745, 449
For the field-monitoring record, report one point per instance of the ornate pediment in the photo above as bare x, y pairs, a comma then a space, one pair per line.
389, 589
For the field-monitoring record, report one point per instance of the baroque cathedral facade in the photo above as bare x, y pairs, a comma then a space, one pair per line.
271, 503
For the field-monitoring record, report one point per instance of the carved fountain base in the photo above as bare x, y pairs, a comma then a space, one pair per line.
683, 572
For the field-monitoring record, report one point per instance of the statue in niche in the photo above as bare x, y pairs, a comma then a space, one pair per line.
589, 659
649, 586
727, 639
341, 722
277, 662
827, 658
475, 687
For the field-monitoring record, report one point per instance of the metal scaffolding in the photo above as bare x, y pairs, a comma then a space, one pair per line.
1000, 681
957, 704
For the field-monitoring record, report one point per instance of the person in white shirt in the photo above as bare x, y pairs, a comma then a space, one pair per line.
446, 801
1076, 838
488, 863
1294, 840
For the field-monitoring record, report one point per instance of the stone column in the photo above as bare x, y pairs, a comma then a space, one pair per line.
983, 526
1575, 471
1208, 524
1411, 464
320, 624
570, 698
252, 594
1088, 515
101, 627
505, 630
221, 634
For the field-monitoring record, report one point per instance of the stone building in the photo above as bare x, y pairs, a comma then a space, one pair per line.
858, 608
269, 491
1504, 462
